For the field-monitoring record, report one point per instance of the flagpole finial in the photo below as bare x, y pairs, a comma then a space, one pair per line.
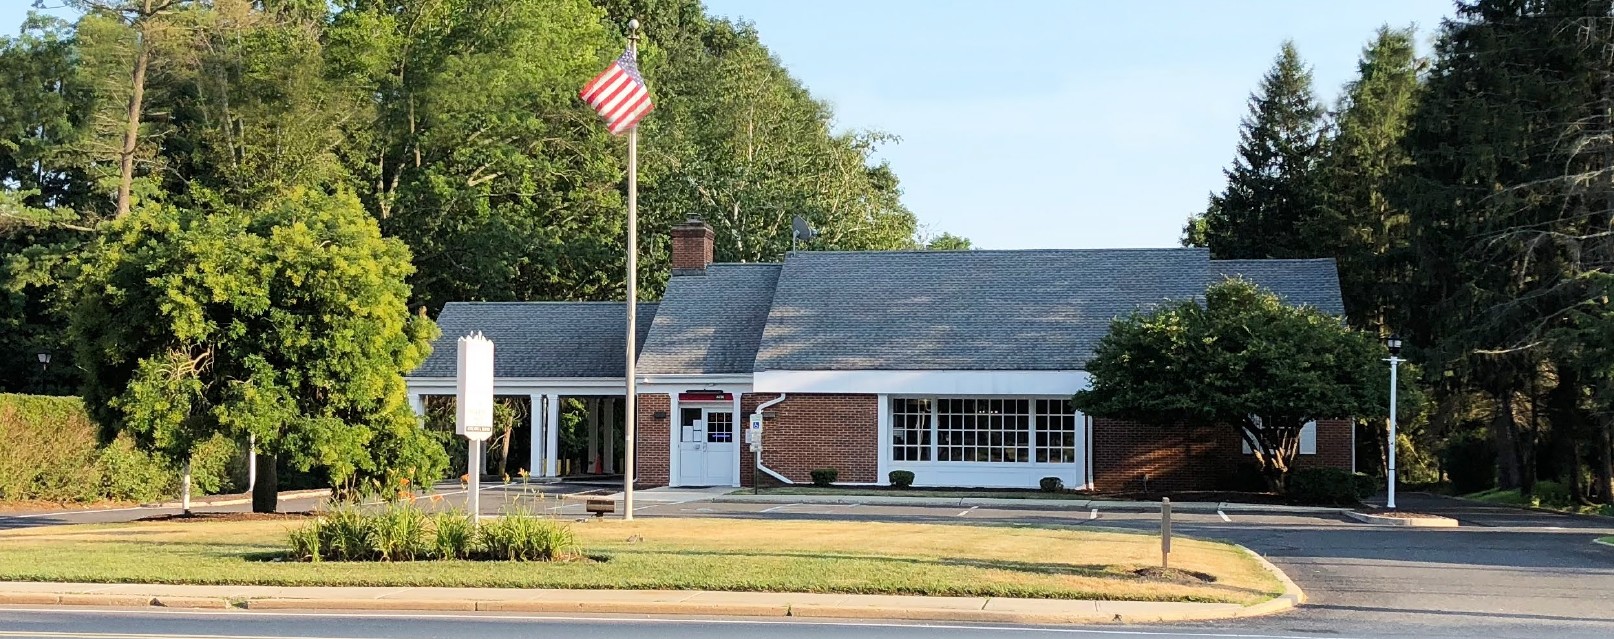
633, 27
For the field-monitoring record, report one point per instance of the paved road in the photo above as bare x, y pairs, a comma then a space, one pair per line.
1505, 573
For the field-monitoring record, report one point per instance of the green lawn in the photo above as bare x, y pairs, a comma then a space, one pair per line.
1549, 496
691, 554
1606, 540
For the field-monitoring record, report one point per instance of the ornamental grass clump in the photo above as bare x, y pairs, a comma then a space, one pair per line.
402, 532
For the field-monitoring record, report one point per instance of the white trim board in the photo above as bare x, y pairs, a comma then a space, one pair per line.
924, 382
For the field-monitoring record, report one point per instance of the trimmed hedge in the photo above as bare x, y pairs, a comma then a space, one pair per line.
49, 452
1330, 486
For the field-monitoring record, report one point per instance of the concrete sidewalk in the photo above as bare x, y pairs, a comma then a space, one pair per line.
1024, 504
648, 602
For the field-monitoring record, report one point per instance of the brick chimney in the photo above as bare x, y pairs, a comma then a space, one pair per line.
691, 247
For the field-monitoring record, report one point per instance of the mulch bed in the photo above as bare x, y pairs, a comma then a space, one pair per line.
1175, 575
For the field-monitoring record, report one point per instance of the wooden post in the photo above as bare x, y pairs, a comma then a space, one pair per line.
1165, 532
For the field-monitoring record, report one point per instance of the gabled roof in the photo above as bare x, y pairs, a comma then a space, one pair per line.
710, 323
539, 339
963, 310
1313, 282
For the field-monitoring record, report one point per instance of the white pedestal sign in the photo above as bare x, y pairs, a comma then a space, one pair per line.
473, 408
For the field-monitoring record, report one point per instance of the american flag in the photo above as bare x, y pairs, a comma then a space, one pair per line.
619, 94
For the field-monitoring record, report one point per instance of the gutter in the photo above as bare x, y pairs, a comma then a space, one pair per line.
757, 413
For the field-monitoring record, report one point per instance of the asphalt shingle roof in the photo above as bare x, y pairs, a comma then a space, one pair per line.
963, 310
539, 339
1312, 282
710, 323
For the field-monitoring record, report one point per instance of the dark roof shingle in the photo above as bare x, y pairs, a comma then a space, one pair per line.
963, 310
539, 339
710, 323
1313, 282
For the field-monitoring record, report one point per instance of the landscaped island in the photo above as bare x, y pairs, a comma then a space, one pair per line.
678, 554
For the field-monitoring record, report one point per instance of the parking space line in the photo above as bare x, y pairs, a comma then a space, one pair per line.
1224, 516
771, 509
966, 512
1093, 515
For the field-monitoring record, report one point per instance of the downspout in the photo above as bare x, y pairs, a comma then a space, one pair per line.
757, 414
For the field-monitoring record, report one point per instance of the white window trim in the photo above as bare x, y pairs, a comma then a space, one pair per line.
1077, 474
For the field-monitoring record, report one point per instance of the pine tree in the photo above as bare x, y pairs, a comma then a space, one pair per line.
1271, 193
1365, 156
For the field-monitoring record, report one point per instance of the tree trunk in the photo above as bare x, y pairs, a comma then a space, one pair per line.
137, 97
1604, 469
266, 491
1504, 434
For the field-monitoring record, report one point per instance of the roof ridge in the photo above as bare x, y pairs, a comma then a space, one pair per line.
1026, 250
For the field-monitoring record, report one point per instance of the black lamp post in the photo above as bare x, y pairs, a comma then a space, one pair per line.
44, 369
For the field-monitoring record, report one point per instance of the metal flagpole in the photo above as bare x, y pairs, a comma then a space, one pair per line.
629, 405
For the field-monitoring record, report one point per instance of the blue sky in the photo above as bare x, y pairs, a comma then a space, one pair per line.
1054, 123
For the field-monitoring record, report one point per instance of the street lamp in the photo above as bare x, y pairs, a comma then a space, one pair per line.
44, 368
1394, 343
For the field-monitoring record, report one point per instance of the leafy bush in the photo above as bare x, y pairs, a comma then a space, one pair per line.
1329, 486
825, 476
399, 533
901, 478
453, 535
523, 536
1051, 484
1470, 462
127, 474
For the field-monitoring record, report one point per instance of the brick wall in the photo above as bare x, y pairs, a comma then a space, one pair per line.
691, 247
808, 431
1193, 458
650, 440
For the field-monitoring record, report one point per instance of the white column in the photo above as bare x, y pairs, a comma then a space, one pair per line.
552, 448
610, 435
592, 405
417, 403
536, 436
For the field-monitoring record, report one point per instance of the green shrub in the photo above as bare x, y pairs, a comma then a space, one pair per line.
1551, 494
398, 533
524, 536
344, 534
128, 474
47, 449
825, 476
305, 541
901, 478
1470, 462
1332, 486
1051, 484
453, 535
218, 465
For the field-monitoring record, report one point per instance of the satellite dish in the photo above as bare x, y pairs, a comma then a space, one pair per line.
800, 231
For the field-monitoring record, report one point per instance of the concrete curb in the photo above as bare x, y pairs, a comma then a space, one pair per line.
722, 604
1600, 542
1020, 504
1292, 594
1419, 522
1585, 516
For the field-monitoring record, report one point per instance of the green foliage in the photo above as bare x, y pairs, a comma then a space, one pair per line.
949, 242
130, 474
1470, 463
399, 532
1329, 486
1272, 188
453, 535
825, 476
900, 478
524, 536
1051, 484
286, 322
1243, 359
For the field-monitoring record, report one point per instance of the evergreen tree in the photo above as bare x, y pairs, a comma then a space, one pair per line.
1272, 196
1365, 157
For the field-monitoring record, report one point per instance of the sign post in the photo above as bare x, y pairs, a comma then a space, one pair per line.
474, 409
1165, 532
753, 439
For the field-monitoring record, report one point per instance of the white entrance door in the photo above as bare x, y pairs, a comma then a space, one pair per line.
706, 447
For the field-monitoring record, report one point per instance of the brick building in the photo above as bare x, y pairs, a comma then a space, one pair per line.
956, 365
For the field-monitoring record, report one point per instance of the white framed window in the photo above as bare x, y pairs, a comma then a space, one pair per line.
910, 429
1308, 439
984, 430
